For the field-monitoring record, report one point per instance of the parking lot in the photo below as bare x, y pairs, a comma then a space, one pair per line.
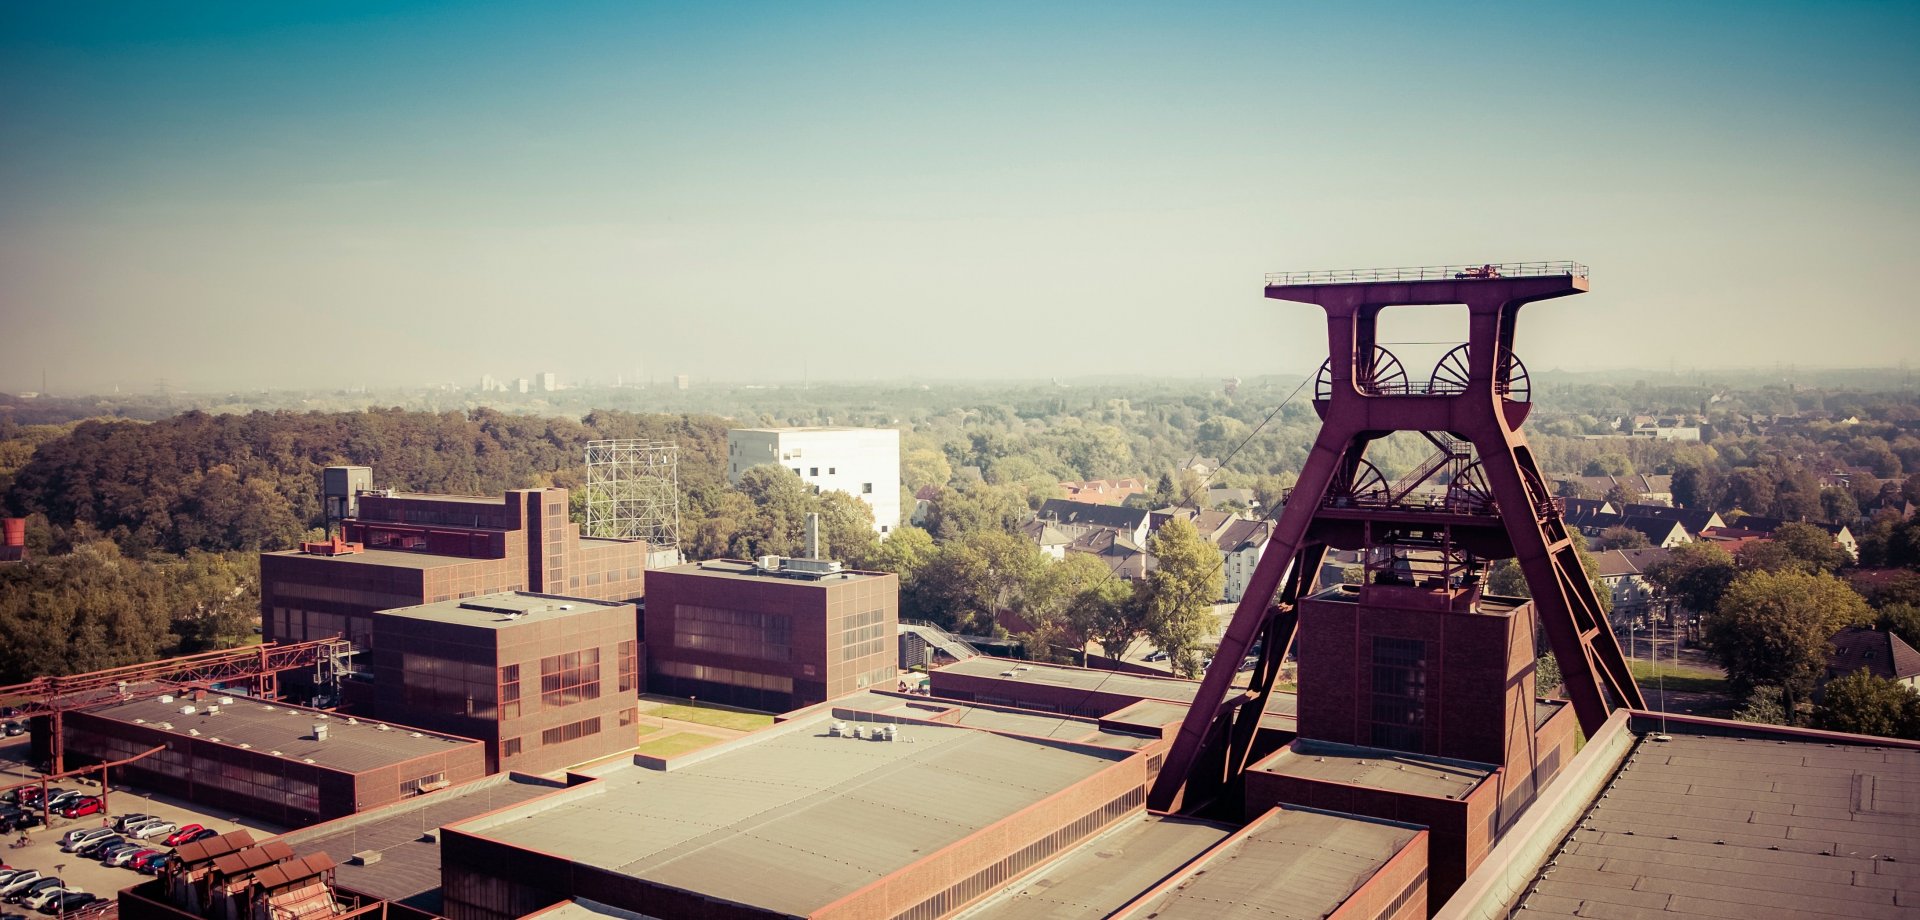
44, 853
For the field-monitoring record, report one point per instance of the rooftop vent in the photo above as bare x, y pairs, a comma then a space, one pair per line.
166, 698
213, 710
319, 731
365, 857
194, 732
139, 721
276, 753
414, 735
186, 710
385, 728
167, 725
226, 701
352, 721
245, 746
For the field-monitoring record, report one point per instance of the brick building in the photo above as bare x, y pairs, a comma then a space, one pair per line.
284, 764
544, 681
403, 549
774, 638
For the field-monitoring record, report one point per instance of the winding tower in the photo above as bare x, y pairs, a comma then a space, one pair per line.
1425, 538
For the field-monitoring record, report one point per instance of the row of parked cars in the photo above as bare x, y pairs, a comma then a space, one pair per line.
67, 803
47, 894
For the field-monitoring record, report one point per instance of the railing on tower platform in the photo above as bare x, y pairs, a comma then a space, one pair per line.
1483, 271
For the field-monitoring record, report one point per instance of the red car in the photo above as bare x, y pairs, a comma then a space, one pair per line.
180, 836
81, 807
145, 856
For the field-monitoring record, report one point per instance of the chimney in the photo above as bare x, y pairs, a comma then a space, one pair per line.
813, 535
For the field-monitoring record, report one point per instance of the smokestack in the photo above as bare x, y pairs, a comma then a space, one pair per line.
813, 535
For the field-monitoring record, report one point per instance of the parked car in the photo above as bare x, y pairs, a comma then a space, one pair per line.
1155, 655
13, 729
140, 859
79, 835
33, 888
92, 847
148, 830
131, 827
7, 874
106, 853
155, 865
45, 896
131, 818
22, 880
201, 834
68, 902
125, 855
180, 836
81, 807
59, 798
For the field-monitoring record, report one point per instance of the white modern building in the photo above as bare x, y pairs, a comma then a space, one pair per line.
862, 462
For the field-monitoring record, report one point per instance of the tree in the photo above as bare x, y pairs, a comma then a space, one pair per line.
1795, 547
1695, 574
974, 508
846, 529
1111, 613
1751, 490
1902, 619
1507, 580
923, 466
1609, 465
903, 552
1774, 627
1180, 592
1697, 487
1623, 493
1620, 536
1546, 675
1866, 704
966, 583
1764, 705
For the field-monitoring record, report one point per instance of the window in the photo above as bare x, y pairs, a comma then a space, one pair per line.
570, 678
510, 692
509, 748
1399, 699
813, 471
883, 528
832, 470
629, 667
863, 634
571, 732
629, 715
866, 488
745, 633
796, 471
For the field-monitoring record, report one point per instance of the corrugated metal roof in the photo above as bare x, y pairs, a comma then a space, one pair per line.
355, 747
792, 819
1101, 875
1753, 829
1290, 865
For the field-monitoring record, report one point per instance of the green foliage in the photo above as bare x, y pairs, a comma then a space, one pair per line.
1773, 628
967, 582
1505, 578
1621, 536
1902, 619
1695, 574
974, 508
1179, 593
1546, 675
1865, 704
1764, 705
1608, 465
1795, 548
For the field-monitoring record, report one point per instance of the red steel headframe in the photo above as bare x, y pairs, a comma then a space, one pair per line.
1212, 746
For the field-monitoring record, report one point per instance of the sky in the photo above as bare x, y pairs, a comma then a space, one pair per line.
343, 194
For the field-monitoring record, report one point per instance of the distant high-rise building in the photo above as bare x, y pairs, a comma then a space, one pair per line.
548, 383
487, 383
862, 462
680, 380
520, 384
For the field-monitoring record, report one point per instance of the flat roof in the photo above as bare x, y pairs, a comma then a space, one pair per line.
352, 745
810, 428
393, 558
1291, 864
747, 571
790, 819
499, 611
500, 499
1078, 729
1377, 768
409, 867
1754, 828
1123, 683
1105, 872
583, 909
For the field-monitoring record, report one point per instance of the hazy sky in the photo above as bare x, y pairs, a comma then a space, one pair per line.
341, 193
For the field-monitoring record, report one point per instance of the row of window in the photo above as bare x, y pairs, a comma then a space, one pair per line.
573, 677
572, 731
742, 633
1398, 704
775, 682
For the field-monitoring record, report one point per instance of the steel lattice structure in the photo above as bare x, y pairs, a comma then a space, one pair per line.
1495, 502
633, 491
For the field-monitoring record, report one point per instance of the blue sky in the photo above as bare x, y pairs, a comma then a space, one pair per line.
293, 194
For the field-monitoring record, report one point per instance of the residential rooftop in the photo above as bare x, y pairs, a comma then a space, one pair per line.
279, 729
499, 611
1105, 872
791, 818
1290, 864
1747, 828
1377, 768
409, 866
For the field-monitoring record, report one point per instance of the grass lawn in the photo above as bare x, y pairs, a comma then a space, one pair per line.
706, 714
1677, 677
676, 743
645, 730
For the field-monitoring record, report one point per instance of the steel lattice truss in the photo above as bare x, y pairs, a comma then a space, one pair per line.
633, 491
